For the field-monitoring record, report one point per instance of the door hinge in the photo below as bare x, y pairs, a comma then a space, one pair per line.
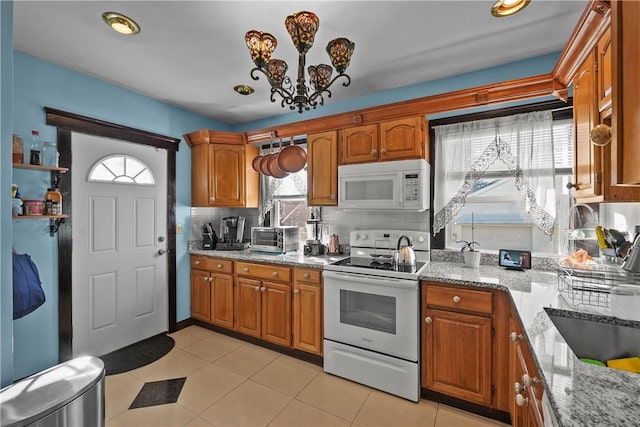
598, 177
493, 389
493, 332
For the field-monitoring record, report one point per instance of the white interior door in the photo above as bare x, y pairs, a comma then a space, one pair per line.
119, 270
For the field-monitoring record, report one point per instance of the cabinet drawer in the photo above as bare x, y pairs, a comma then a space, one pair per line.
459, 299
211, 264
308, 275
264, 271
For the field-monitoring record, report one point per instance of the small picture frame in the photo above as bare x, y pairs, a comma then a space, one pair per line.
514, 259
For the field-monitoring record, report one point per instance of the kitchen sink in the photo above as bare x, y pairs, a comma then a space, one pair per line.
596, 339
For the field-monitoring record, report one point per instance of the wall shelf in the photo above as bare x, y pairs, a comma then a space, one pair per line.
38, 167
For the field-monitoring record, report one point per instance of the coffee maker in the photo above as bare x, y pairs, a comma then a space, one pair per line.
232, 233
317, 233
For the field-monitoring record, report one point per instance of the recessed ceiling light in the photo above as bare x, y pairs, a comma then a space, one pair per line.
508, 7
120, 23
243, 89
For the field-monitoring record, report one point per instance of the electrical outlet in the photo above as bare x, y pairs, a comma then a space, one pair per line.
179, 229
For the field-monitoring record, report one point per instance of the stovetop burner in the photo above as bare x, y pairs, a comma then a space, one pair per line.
378, 263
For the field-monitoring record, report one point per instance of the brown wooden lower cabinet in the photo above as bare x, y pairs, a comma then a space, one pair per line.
307, 310
464, 344
276, 303
222, 300
457, 355
201, 295
526, 390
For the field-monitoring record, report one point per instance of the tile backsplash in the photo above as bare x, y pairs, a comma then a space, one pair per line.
340, 222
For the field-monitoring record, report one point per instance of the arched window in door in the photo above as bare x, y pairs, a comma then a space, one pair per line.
122, 169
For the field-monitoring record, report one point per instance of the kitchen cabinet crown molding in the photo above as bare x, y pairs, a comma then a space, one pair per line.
205, 136
593, 23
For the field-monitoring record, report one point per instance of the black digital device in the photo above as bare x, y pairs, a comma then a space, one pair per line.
514, 259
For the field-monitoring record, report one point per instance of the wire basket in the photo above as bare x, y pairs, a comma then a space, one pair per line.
592, 287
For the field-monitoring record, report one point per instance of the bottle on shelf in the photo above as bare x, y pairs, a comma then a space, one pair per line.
49, 154
56, 200
18, 150
16, 205
35, 157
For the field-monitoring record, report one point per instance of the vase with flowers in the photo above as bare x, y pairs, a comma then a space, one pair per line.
470, 256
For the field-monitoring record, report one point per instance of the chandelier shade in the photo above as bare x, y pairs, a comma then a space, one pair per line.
261, 46
277, 71
319, 75
340, 51
302, 27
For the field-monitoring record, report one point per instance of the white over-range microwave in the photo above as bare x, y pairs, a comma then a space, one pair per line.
395, 185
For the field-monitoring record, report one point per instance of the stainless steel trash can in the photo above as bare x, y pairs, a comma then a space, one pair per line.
69, 394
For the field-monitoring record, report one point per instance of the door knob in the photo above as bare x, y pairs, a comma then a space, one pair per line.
162, 251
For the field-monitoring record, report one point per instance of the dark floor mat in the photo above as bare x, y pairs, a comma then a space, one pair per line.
137, 355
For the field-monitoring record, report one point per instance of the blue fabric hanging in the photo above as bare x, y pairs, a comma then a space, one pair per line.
27, 288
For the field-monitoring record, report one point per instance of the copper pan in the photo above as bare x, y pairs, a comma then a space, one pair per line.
264, 162
274, 169
292, 158
256, 163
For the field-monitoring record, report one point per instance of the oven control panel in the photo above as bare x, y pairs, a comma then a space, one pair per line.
388, 239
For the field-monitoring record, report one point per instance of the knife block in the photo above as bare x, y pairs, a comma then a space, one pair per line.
209, 244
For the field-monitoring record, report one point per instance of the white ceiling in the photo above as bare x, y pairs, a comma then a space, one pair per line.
192, 53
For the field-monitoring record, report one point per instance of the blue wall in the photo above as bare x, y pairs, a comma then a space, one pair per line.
529, 67
6, 99
38, 84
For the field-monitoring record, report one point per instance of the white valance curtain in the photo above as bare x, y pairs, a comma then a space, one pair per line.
522, 143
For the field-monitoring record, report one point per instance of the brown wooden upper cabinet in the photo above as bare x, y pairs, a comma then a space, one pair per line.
605, 92
625, 145
391, 140
221, 171
322, 169
587, 163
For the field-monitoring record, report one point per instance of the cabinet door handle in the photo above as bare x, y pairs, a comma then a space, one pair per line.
456, 299
196, 262
374, 152
257, 288
528, 380
219, 266
333, 196
521, 400
213, 199
211, 279
274, 274
306, 275
515, 337
383, 151
262, 289
517, 387
296, 291
246, 269
428, 320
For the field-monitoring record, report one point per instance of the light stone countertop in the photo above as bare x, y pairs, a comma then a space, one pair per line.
580, 394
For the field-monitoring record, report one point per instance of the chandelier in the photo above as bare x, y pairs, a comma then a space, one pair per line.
302, 28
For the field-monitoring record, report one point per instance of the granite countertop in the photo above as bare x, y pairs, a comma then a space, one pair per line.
295, 258
579, 394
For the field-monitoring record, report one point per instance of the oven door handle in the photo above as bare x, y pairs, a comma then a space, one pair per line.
369, 280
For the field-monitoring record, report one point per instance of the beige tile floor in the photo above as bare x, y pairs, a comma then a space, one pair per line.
233, 383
